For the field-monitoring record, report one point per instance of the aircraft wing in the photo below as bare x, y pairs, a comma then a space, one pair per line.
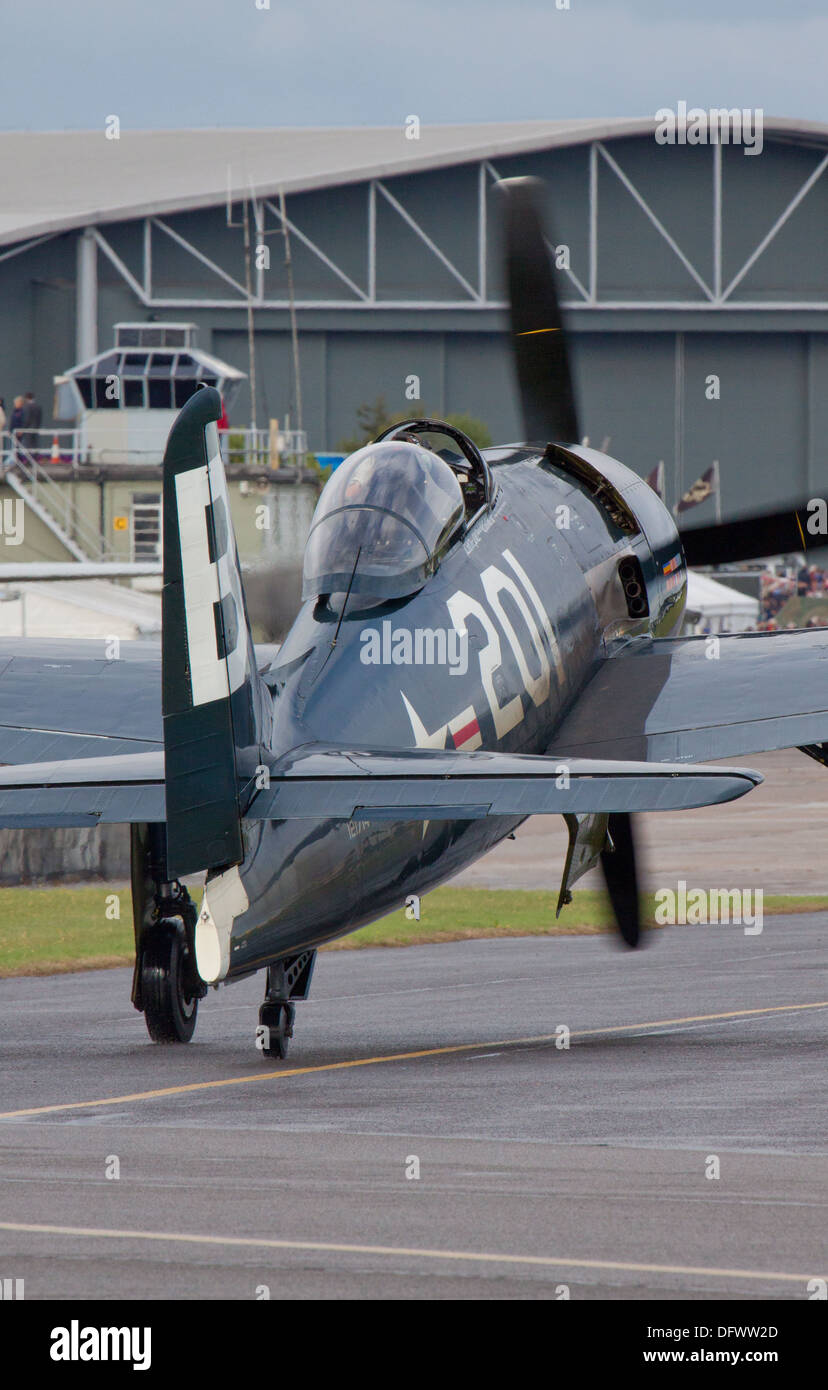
317, 782
65, 699
69, 699
687, 699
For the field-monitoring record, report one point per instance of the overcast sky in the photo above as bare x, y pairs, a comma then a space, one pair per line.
168, 63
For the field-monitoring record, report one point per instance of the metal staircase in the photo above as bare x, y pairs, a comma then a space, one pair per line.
53, 505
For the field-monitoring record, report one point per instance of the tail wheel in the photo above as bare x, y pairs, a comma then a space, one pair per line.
275, 1028
170, 1010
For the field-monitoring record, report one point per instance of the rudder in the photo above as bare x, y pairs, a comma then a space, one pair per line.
215, 705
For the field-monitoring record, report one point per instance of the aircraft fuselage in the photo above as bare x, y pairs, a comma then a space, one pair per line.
489, 654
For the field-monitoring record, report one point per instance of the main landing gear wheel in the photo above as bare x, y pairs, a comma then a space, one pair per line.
169, 1009
275, 1028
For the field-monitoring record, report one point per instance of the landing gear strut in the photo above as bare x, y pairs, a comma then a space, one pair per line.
286, 980
166, 985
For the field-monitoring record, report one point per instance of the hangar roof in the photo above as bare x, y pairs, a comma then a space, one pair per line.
53, 181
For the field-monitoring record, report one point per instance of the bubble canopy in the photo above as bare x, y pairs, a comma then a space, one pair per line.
397, 506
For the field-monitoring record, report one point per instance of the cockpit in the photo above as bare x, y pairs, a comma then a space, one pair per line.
384, 520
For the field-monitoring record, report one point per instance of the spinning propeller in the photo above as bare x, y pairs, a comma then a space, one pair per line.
538, 339
548, 408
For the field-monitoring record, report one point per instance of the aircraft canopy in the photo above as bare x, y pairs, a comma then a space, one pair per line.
396, 506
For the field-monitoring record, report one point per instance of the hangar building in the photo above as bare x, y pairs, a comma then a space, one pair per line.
695, 278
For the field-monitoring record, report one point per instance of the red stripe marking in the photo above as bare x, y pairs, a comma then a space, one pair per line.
468, 731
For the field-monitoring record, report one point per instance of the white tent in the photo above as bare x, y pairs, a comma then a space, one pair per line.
715, 607
78, 608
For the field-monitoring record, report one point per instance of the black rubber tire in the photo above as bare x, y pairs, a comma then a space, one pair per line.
170, 1016
278, 1018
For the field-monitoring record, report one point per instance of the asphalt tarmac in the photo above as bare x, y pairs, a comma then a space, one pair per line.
544, 1171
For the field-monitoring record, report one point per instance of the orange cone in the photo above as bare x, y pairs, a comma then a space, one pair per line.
55, 450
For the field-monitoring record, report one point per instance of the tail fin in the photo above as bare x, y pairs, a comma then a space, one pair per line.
215, 705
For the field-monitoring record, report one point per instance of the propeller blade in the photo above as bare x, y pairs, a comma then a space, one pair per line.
538, 338
768, 533
621, 877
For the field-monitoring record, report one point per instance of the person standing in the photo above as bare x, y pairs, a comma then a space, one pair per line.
32, 420
16, 423
2, 415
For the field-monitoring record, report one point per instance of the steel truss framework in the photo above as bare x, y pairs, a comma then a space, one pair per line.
475, 296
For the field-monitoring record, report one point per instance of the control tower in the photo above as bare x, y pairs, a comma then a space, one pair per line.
124, 401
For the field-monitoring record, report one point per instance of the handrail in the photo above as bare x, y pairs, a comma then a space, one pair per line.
254, 448
248, 446
54, 499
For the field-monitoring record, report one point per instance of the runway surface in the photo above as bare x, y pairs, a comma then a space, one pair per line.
541, 1169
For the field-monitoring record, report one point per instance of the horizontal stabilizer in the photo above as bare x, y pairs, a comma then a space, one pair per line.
317, 781
114, 790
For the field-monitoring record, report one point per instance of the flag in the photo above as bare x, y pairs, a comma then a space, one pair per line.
701, 489
655, 479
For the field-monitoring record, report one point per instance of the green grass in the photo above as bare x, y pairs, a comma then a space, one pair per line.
798, 610
459, 914
44, 931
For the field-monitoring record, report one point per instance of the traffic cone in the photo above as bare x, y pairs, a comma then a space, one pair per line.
55, 450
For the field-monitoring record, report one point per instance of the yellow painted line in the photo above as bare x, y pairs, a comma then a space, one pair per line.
407, 1251
528, 332
799, 524
397, 1057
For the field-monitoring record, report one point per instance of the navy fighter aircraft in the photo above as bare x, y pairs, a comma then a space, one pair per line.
482, 637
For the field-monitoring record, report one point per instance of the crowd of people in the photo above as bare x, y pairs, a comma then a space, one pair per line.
24, 421
809, 582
